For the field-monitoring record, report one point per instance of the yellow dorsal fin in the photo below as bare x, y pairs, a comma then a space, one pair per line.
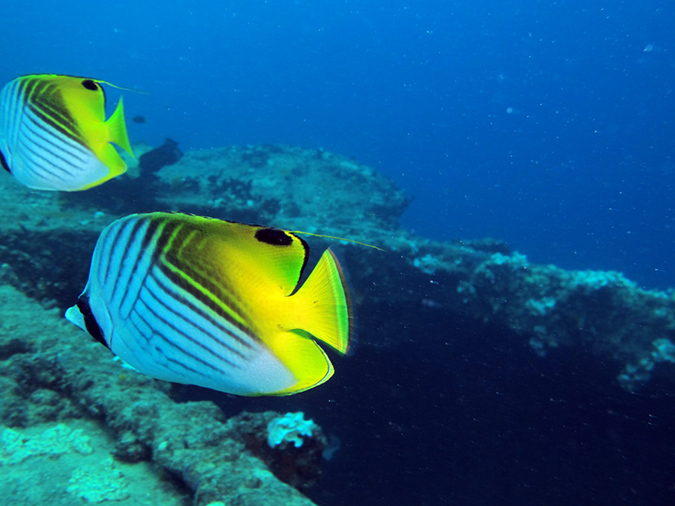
274, 257
86, 104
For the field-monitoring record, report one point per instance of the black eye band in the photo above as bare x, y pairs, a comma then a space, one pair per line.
90, 320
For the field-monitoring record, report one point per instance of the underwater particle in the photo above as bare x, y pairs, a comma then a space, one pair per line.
99, 483
139, 119
289, 428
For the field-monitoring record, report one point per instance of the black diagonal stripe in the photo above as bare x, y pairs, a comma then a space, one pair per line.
158, 229
158, 350
204, 282
150, 232
139, 332
184, 302
108, 251
176, 314
137, 224
16, 109
178, 347
204, 298
44, 99
183, 240
38, 130
26, 87
36, 123
48, 120
171, 228
180, 364
50, 101
40, 161
37, 157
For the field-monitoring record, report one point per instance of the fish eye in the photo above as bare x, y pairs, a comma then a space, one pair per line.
90, 85
274, 236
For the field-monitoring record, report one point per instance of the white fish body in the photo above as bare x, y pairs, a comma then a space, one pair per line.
170, 311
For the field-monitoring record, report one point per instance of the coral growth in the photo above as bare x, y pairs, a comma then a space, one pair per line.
298, 464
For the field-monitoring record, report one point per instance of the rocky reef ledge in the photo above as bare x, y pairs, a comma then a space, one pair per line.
45, 250
50, 374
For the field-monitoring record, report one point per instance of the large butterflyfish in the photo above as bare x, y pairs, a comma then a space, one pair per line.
215, 303
54, 135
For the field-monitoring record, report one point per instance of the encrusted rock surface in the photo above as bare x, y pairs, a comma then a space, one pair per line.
47, 364
56, 368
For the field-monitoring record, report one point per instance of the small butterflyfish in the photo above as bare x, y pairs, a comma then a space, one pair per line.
54, 135
215, 303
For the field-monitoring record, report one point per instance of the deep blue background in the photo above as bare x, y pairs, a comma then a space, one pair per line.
546, 124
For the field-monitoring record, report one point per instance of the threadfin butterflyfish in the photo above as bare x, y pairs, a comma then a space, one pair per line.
215, 303
54, 135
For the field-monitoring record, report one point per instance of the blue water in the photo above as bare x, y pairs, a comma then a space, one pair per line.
549, 125
546, 124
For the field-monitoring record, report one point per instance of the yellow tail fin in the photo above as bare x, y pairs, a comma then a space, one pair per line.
117, 129
322, 308
324, 298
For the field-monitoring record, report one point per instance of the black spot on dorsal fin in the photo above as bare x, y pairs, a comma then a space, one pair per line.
90, 85
274, 236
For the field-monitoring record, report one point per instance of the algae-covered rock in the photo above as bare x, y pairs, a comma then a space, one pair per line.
16, 447
190, 442
98, 483
71, 463
49, 371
